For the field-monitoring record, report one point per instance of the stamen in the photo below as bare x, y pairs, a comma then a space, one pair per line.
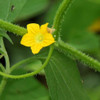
39, 38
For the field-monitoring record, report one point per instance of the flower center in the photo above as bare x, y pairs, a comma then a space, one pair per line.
39, 38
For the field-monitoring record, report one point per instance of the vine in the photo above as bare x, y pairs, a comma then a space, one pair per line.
59, 17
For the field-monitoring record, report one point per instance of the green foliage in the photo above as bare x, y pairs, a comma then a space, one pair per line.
10, 9
63, 79
21, 9
15, 7
32, 8
28, 88
3, 34
62, 74
4, 8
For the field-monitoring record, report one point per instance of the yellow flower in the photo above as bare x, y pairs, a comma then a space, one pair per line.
37, 37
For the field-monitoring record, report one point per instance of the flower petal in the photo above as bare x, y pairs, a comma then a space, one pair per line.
36, 48
33, 28
44, 28
27, 40
48, 39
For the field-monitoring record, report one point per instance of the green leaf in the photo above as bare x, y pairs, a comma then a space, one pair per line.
10, 9
63, 79
15, 8
4, 34
4, 8
24, 89
21, 9
32, 8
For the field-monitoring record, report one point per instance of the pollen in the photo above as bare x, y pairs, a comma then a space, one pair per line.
39, 38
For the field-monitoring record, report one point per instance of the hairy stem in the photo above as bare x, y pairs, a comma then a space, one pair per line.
2, 67
59, 17
78, 55
12, 28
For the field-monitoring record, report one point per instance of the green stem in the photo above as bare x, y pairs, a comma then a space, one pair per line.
59, 17
7, 63
78, 55
12, 28
2, 67
2, 85
1, 56
32, 73
5, 56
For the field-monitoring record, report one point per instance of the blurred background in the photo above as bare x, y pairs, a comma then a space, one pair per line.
80, 28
